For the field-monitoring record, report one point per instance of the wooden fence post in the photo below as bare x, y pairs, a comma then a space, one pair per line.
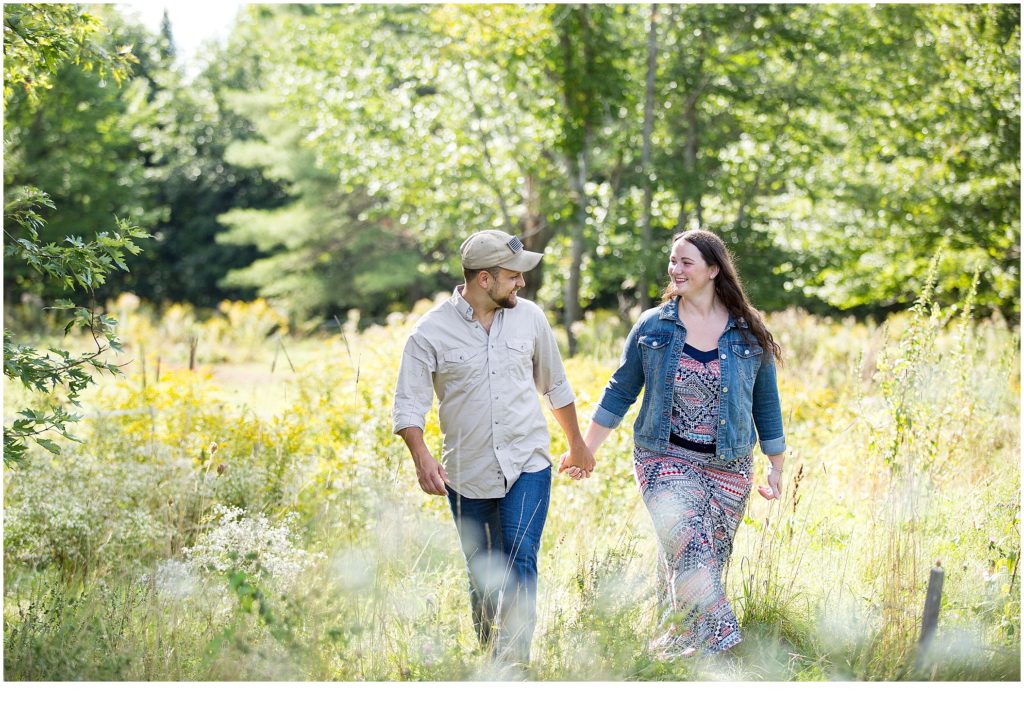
930, 619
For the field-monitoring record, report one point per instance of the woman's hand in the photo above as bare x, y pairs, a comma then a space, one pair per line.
772, 491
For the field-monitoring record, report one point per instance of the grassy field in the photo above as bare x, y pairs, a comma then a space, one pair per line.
254, 518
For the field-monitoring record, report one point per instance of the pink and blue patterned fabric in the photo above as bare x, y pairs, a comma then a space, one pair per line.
696, 502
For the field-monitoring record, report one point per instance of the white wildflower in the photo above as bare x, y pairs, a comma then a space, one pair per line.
250, 544
175, 579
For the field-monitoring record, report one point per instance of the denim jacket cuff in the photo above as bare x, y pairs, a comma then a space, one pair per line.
606, 418
774, 446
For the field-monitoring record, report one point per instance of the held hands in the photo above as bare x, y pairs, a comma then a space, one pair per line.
430, 474
578, 461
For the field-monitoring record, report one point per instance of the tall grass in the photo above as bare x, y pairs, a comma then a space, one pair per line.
247, 520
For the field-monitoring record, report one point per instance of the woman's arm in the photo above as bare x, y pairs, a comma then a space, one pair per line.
619, 394
624, 385
767, 409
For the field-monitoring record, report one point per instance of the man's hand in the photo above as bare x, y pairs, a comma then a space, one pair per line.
578, 461
431, 474
565, 466
429, 471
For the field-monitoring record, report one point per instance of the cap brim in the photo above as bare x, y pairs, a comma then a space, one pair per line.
522, 261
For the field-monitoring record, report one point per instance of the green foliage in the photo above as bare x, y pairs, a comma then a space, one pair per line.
40, 38
835, 181
320, 255
76, 264
918, 148
74, 141
73, 264
324, 147
149, 148
185, 129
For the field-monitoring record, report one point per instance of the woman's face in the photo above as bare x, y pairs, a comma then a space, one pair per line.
688, 270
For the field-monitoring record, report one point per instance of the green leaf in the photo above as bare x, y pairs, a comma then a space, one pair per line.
49, 445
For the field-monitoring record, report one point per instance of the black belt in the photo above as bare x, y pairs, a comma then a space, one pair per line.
690, 445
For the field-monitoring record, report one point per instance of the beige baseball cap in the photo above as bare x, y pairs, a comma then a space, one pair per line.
490, 248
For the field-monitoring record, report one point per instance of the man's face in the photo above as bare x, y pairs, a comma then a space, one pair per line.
503, 287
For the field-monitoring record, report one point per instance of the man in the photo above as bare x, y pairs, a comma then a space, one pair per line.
486, 353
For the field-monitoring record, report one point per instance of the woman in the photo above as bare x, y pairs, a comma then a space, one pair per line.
707, 365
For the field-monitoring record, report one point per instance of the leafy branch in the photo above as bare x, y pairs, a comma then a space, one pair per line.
78, 265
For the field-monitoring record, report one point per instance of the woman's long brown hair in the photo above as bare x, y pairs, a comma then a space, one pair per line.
728, 287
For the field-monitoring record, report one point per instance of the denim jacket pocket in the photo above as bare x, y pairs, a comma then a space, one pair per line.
747, 360
653, 348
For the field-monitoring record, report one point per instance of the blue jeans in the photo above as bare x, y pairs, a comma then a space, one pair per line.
500, 539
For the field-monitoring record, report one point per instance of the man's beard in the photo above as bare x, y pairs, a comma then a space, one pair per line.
507, 302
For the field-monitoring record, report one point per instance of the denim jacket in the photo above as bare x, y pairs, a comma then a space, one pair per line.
749, 408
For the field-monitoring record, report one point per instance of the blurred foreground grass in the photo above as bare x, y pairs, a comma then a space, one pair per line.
254, 518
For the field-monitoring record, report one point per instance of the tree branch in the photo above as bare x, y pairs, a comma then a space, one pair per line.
478, 111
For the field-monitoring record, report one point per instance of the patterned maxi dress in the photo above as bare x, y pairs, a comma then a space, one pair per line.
696, 502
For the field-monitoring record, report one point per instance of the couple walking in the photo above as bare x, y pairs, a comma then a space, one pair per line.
706, 363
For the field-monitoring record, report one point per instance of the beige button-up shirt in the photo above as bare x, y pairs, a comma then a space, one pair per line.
486, 386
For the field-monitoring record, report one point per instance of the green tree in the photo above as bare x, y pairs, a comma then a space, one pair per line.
326, 246
183, 132
40, 39
74, 140
918, 148
33, 46
585, 66
828, 145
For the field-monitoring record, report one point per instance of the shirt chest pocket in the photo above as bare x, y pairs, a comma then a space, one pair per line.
462, 367
519, 357
747, 358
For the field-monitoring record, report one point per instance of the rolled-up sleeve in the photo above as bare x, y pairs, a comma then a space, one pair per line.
624, 386
767, 409
414, 390
548, 371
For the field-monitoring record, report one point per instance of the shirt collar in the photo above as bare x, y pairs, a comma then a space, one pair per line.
461, 305
670, 312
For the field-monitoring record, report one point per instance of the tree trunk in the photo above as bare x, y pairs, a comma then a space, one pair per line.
692, 145
691, 196
535, 233
579, 116
572, 287
647, 269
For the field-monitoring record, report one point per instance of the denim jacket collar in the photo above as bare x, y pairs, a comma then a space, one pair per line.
749, 407
670, 312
